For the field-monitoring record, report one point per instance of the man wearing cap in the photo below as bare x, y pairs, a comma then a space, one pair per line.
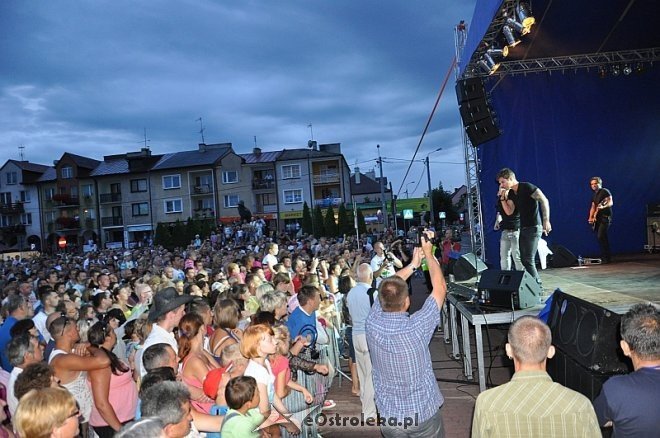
167, 310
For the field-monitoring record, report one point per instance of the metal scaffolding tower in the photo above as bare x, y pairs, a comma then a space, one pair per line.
475, 218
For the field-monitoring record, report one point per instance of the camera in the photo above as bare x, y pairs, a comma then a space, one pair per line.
420, 236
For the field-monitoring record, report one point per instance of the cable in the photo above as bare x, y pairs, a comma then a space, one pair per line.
428, 122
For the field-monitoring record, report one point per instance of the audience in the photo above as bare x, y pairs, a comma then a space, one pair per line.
47, 412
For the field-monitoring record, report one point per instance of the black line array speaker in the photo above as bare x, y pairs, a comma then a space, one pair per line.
476, 113
468, 266
562, 257
511, 289
587, 333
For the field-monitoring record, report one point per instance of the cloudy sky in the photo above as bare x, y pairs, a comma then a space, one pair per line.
89, 76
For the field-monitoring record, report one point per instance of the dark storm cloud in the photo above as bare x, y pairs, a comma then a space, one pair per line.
87, 77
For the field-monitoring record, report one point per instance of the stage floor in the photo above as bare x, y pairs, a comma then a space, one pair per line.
616, 286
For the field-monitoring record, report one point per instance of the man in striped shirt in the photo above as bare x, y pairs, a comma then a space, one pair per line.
531, 404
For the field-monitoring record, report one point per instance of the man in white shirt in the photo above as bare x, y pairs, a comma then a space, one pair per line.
383, 264
49, 301
167, 310
22, 351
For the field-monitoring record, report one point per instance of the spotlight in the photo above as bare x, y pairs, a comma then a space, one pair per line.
498, 52
616, 70
602, 72
627, 69
488, 65
639, 68
524, 16
522, 30
510, 39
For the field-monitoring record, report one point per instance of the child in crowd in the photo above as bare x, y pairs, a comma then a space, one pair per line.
259, 342
243, 418
280, 364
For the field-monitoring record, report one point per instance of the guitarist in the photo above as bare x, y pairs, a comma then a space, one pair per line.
600, 216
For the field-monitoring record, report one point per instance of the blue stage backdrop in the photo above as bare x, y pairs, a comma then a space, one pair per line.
561, 129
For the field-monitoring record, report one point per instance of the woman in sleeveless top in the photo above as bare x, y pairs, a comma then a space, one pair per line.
226, 316
114, 390
196, 362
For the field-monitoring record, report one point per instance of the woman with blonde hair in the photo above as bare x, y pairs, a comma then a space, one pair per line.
48, 412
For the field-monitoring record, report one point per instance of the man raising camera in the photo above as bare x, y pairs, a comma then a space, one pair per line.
383, 263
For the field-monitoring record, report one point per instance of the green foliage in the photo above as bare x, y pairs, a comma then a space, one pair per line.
442, 202
180, 234
317, 220
329, 224
306, 219
362, 226
344, 224
163, 235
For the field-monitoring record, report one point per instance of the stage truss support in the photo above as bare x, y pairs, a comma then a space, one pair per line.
473, 200
575, 62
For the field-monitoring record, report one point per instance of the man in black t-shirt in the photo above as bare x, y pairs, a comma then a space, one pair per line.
526, 198
600, 216
509, 247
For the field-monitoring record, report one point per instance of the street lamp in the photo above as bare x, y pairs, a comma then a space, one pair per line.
430, 193
411, 182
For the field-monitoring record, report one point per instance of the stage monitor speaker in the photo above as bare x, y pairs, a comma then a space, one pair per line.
511, 289
653, 210
469, 89
482, 131
562, 257
468, 266
567, 372
588, 333
653, 231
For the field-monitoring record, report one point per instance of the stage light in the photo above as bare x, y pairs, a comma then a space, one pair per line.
498, 53
627, 69
488, 65
602, 72
524, 16
522, 30
639, 68
616, 70
511, 40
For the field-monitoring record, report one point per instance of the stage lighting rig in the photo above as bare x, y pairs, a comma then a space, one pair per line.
511, 40
627, 69
526, 19
616, 70
522, 30
488, 65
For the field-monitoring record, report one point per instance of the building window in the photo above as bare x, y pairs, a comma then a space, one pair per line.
140, 209
49, 193
5, 221
12, 178
25, 196
50, 216
88, 190
293, 196
89, 213
26, 218
205, 204
290, 171
268, 199
171, 182
229, 176
173, 206
67, 172
138, 185
231, 201
5, 198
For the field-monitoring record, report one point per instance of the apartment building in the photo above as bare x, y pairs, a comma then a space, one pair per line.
20, 227
318, 175
264, 200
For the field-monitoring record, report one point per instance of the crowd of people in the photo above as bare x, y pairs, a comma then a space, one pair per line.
213, 338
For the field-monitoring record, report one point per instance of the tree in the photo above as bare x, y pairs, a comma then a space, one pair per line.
343, 224
362, 226
442, 202
163, 235
317, 220
307, 219
180, 237
329, 223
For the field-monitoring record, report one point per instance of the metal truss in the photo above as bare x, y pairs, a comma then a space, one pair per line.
574, 62
475, 218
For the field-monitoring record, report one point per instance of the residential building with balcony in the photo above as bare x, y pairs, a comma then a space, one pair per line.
62, 214
318, 175
365, 188
20, 227
264, 197
122, 193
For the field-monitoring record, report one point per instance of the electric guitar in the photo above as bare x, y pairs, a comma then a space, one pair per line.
602, 204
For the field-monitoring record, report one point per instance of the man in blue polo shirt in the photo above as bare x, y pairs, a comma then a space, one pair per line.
303, 320
18, 308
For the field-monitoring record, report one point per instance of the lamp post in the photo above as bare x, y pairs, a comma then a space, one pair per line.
430, 193
411, 182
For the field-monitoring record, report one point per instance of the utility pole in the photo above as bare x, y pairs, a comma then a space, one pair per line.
393, 203
428, 175
383, 205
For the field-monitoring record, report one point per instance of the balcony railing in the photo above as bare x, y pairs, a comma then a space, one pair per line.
112, 221
13, 229
107, 198
263, 184
327, 202
326, 178
65, 200
203, 189
266, 208
66, 223
9, 209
